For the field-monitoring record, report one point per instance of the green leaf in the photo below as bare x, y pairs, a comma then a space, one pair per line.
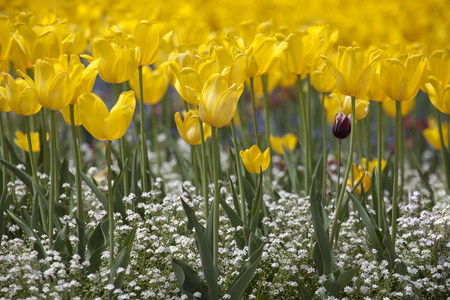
122, 260
97, 244
371, 230
65, 175
30, 234
291, 166
24, 177
339, 279
188, 280
234, 195
100, 196
11, 150
232, 215
242, 281
319, 228
61, 239
205, 254
305, 294
82, 240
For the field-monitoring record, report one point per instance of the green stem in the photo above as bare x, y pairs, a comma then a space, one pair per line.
239, 173
339, 168
33, 172
126, 188
110, 205
367, 140
144, 158
264, 81
4, 151
194, 163
204, 175
443, 154
324, 146
53, 176
308, 128
402, 156
43, 114
155, 139
255, 122
303, 128
380, 160
347, 172
13, 177
216, 201
76, 146
398, 117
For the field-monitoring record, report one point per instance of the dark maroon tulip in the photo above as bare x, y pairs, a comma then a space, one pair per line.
342, 126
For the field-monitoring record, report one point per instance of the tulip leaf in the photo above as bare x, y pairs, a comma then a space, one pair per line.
24, 177
13, 152
97, 244
291, 166
100, 196
4, 203
61, 239
339, 279
232, 215
188, 280
371, 230
241, 282
82, 240
205, 253
122, 260
30, 234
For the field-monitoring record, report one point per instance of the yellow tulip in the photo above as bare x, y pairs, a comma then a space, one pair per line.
400, 78
439, 67
439, 94
86, 81
100, 123
301, 52
288, 141
21, 141
372, 164
21, 98
376, 92
155, 84
66, 114
189, 128
255, 161
4, 104
353, 70
406, 107
431, 134
55, 81
118, 63
218, 100
5, 38
147, 39
358, 173
322, 79
36, 43
345, 105
261, 54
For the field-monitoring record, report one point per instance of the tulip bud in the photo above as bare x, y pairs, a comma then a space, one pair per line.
342, 126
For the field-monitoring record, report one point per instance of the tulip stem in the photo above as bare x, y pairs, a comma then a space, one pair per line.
204, 175
255, 122
303, 128
53, 176
443, 153
402, 155
239, 172
4, 151
216, 201
194, 163
44, 148
110, 205
380, 160
264, 82
33, 171
8, 129
339, 168
396, 160
347, 173
76, 145
155, 139
144, 158
126, 189
324, 146
308, 127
